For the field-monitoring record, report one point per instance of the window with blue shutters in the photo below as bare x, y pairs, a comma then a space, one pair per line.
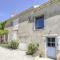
39, 22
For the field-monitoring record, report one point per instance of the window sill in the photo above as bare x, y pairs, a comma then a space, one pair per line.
39, 29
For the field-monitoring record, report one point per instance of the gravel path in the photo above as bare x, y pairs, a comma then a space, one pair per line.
7, 54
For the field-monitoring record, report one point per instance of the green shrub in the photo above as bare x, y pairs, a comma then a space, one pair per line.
31, 49
13, 44
4, 45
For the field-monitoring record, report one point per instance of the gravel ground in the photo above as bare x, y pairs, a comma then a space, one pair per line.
7, 54
37, 58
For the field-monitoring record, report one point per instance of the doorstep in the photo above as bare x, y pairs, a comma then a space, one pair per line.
38, 58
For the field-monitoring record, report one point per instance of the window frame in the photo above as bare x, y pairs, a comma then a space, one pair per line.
15, 22
36, 20
51, 43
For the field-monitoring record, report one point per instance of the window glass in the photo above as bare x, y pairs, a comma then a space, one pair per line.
53, 39
15, 22
51, 42
48, 39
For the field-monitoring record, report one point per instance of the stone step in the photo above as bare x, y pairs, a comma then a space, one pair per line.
38, 58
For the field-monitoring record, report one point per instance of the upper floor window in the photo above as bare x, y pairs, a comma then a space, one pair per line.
15, 22
39, 22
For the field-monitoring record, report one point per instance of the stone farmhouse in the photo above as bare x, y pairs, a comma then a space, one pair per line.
39, 24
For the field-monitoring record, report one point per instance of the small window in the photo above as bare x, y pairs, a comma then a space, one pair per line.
39, 23
30, 19
51, 42
15, 22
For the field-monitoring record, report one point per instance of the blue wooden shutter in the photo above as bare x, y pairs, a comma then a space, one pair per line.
39, 23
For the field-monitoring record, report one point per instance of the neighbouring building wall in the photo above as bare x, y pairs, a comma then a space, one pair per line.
13, 30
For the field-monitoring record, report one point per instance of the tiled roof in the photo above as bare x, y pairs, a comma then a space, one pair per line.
34, 9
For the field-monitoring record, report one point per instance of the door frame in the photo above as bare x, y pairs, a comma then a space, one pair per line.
52, 35
16, 34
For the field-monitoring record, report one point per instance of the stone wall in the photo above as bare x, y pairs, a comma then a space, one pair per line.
27, 32
52, 25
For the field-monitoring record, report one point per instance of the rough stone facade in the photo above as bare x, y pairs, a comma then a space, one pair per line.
27, 32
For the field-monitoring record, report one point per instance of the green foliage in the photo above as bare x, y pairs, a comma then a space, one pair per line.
4, 45
32, 48
2, 32
13, 44
2, 25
